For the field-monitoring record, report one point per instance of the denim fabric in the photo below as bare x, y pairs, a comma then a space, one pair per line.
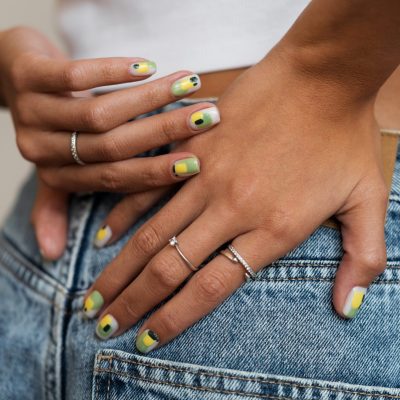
277, 338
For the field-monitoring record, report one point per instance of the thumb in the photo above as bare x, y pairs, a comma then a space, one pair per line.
362, 227
50, 220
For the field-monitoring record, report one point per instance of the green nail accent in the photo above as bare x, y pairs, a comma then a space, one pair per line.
204, 118
186, 167
354, 301
186, 85
143, 68
93, 304
147, 341
106, 327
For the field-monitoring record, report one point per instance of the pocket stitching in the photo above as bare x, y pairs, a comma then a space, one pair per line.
186, 386
256, 380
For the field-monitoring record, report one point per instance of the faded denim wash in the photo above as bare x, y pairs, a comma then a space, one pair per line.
277, 338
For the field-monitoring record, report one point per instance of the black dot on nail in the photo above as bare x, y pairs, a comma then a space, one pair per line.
107, 328
193, 79
198, 121
136, 66
153, 335
85, 309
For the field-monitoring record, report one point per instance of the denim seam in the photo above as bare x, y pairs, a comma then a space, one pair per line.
201, 388
238, 378
232, 377
109, 381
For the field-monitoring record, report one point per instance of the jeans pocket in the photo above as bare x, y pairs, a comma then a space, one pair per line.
121, 375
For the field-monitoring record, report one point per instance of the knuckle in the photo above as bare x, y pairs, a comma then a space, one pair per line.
210, 286
147, 240
168, 322
18, 73
96, 117
153, 96
131, 313
47, 176
111, 179
375, 262
72, 76
166, 271
154, 177
23, 109
28, 148
167, 128
110, 149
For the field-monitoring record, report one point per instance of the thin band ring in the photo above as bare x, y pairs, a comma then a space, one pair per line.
74, 149
174, 243
250, 274
227, 253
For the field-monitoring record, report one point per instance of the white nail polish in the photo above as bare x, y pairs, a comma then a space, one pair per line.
353, 301
204, 118
103, 236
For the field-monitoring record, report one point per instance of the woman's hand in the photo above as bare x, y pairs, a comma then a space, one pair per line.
292, 151
47, 98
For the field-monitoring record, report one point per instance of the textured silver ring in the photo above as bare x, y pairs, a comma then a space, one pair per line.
250, 274
74, 148
174, 243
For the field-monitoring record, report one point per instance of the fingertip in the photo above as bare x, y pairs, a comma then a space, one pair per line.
143, 68
147, 340
185, 167
103, 236
204, 118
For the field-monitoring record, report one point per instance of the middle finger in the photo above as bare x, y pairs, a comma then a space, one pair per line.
103, 113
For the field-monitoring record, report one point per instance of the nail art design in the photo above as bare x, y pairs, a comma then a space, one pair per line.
204, 118
186, 85
106, 327
103, 235
93, 304
147, 341
354, 300
142, 68
186, 167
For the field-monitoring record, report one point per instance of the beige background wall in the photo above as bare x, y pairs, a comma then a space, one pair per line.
13, 168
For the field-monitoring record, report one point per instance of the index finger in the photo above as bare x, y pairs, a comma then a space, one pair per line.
53, 75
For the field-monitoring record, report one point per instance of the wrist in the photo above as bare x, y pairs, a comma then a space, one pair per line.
352, 45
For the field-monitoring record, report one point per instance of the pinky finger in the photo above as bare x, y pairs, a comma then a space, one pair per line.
125, 214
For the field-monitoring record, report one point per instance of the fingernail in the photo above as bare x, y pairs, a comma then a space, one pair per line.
103, 235
186, 166
353, 301
147, 341
186, 85
106, 327
142, 68
204, 118
93, 304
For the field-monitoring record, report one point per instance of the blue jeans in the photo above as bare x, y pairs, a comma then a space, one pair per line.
277, 338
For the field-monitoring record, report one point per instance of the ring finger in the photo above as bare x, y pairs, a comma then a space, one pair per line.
125, 141
163, 275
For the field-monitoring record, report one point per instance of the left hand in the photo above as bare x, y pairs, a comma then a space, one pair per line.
291, 151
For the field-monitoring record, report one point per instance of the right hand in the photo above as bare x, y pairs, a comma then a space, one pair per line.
47, 97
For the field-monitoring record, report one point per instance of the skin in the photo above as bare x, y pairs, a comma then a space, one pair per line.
298, 143
49, 99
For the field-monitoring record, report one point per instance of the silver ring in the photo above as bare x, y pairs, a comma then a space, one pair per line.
174, 243
250, 274
74, 149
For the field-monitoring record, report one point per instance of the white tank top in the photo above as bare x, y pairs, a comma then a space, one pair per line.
199, 35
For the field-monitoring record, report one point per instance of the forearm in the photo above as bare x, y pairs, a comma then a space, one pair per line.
353, 43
